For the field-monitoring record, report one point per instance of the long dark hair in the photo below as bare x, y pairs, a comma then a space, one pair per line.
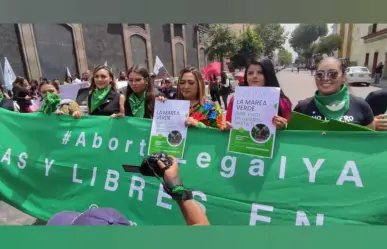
223, 77
150, 91
52, 83
268, 73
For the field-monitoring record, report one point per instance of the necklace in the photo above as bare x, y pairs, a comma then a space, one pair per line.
193, 108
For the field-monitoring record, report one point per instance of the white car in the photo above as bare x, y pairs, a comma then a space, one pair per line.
359, 75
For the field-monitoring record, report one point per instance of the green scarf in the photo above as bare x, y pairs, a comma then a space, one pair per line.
333, 106
137, 105
98, 97
1, 97
51, 103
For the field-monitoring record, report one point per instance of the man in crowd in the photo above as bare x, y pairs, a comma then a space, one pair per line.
378, 73
152, 79
85, 76
168, 90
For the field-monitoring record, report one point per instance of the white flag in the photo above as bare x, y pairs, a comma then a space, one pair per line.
68, 72
9, 74
105, 64
157, 66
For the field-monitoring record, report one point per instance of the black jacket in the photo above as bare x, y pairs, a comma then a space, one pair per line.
109, 106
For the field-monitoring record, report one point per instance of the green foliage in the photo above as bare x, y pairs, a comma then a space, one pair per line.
305, 34
329, 44
273, 36
285, 57
317, 58
249, 46
220, 42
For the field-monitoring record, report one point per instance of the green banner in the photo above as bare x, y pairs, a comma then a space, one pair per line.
54, 163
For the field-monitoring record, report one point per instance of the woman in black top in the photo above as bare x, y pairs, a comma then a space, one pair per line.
332, 100
21, 94
140, 93
104, 99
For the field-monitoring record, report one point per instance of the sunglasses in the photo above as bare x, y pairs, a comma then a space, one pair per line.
331, 74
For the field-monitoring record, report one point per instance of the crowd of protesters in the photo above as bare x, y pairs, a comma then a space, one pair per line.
332, 99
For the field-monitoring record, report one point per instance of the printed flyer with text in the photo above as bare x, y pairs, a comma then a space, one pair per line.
253, 132
168, 133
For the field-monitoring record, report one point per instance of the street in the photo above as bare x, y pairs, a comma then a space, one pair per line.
300, 86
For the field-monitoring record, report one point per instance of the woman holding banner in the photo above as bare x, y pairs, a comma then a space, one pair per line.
333, 100
140, 93
202, 113
104, 99
52, 102
262, 73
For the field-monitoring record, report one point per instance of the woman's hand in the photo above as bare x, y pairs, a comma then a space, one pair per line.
59, 113
191, 122
161, 98
227, 126
77, 114
381, 122
116, 115
280, 122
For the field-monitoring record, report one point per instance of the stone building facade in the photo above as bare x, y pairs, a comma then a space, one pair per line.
45, 50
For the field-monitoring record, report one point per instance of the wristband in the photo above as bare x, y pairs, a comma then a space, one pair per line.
176, 190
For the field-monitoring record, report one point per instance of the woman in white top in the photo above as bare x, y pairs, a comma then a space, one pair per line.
225, 88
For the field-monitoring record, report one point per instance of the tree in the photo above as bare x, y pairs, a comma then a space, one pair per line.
305, 34
329, 44
249, 46
285, 57
273, 36
220, 42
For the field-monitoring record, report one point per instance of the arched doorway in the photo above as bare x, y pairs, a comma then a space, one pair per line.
56, 51
180, 63
139, 51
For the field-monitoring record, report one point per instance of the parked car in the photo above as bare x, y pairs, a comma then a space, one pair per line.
359, 75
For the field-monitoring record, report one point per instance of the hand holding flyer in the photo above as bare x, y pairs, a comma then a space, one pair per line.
168, 132
253, 132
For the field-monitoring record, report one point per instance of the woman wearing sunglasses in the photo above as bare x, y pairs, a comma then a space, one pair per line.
332, 99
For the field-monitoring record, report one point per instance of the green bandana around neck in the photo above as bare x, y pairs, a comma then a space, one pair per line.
50, 103
1, 97
137, 104
98, 97
333, 106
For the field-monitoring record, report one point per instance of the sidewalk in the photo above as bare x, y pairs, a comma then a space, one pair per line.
382, 84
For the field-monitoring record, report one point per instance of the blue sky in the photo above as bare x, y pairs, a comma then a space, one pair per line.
290, 27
